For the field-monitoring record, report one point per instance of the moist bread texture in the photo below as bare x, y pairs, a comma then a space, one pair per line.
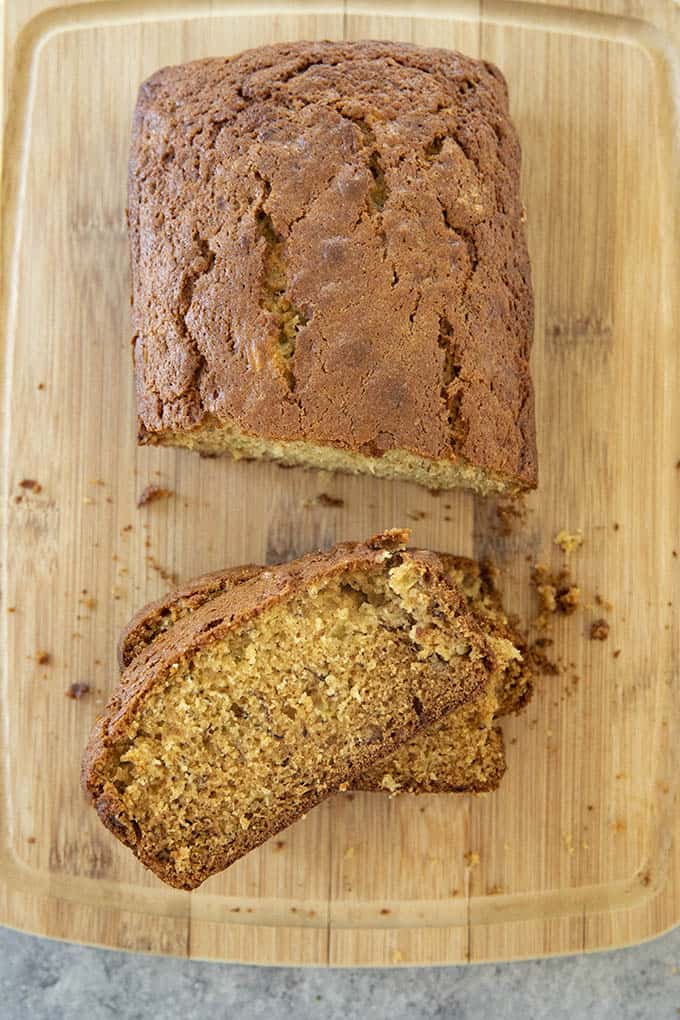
461, 753
329, 265
268, 698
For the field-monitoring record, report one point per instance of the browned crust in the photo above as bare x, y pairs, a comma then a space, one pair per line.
226, 613
285, 146
150, 621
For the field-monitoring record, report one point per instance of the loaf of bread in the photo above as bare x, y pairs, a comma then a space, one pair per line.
268, 698
461, 753
329, 264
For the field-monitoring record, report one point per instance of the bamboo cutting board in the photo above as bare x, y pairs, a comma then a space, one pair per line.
577, 849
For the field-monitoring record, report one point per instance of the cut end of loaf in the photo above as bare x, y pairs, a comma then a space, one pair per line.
213, 750
213, 438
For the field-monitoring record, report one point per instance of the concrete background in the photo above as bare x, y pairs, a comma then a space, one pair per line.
45, 980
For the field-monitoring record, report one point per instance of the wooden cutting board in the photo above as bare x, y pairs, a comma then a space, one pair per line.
577, 850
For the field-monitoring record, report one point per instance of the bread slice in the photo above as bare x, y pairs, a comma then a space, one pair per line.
270, 697
464, 751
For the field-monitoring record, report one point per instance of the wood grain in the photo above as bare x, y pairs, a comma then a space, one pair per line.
577, 849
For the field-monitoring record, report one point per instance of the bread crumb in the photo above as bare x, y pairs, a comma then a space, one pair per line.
397, 956
31, 839
324, 499
538, 659
41, 385
89, 603
416, 515
30, 484
495, 890
167, 575
472, 858
152, 493
605, 603
568, 842
11, 609
599, 630
43, 658
568, 541
616, 653
388, 782
385, 910
510, 514
349, 853
547, 595
569, 600
556, 592
88, 501
279, 844
77, 691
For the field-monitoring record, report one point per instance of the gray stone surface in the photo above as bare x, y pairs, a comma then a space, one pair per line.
45, 980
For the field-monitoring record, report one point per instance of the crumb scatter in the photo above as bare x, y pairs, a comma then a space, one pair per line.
152, 494
599, 630
324, 499
76, 691
557, 593
31, 485
510, 514
568, 541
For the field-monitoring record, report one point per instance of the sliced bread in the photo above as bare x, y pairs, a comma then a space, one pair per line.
463, 753
268, 698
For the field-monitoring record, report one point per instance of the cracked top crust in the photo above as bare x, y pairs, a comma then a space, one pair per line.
327, 246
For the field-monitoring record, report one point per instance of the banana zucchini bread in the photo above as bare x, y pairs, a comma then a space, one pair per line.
270, 697
461, 753
329, 264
